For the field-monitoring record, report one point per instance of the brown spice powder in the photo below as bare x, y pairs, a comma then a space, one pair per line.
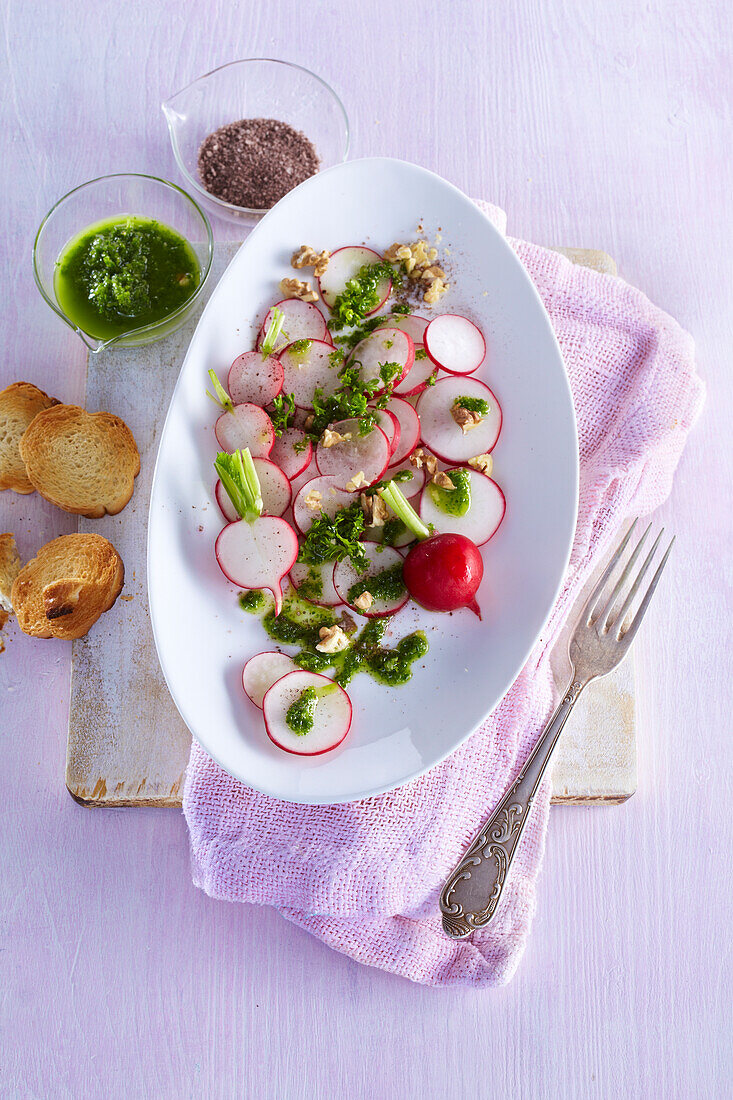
255, 161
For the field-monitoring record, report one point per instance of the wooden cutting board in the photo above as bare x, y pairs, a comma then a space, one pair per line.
127, 744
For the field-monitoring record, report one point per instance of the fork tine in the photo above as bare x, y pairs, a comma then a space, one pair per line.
635, 586
630, 634
590, 603
605, 615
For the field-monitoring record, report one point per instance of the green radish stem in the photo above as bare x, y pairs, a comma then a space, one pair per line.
274, 329
395, 498
220, 395
239, 477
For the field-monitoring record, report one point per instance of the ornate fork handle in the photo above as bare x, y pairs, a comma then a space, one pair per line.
471, 894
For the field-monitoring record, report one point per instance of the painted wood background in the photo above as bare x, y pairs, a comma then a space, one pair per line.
594, 122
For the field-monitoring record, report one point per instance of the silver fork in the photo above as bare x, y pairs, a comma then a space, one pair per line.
601, 638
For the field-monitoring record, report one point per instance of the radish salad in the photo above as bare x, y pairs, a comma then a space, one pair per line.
354, 474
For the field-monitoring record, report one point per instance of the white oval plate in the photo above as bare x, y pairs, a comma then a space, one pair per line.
202, 636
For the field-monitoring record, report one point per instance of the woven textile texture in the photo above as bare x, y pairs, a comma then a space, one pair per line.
365, 876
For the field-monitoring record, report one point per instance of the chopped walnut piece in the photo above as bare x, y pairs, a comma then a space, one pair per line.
333, 640
312, 500
421, 458
431, 273
441, 479
331, 438
297, 288
483, 463
364, 602
308, 257
393, 252
356, 482
375, 510
347, 624
308, 422
466, 419
434, 291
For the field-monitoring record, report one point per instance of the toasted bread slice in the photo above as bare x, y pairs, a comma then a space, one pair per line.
19, 404
63, 590
83, 462
9, 569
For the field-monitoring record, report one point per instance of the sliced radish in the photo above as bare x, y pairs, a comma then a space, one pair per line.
301, 321
416, 483
416, 378
274, 486
258, 554
262, 671
455, 344
439, 430
307, 474
331, 720
318, 582
343, 265
284, 454
380, 558
409, 425
366, 454
390, 425
482, 518
245, 426
384, 345
254, 380
306, 371
329, 497
376, 534
413, 325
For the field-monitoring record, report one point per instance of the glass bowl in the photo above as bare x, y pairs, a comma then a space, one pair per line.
254, 88
127, 193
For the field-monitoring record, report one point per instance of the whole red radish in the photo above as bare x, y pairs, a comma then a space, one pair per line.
443, 573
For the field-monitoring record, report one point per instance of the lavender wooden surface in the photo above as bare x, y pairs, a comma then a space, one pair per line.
595, 123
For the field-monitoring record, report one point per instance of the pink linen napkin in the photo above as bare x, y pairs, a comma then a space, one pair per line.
365, 876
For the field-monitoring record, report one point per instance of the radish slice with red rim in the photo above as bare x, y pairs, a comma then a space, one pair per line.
326, 500
376, 534
416, 483
390, 425
355, 454
331, 718
343, 265
309, 369
455, 344
381, 558
483, 517
274, 487
262, 671
413, 325
409, 425
245, 426
383, 346
416, 378
257, 554
301, 321
307, 474
315, 583
254, 380
438, 429
292, 461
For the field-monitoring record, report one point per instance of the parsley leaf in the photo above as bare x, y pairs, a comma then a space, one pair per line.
334, 539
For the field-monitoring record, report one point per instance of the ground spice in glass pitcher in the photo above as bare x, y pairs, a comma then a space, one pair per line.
255, 161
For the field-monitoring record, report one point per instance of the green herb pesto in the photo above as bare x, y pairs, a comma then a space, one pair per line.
301, 714
311, 587
298, 623
420, 353
361, 294
472, 404
456, 501
387, 585
124, 273
252, 601
334, 539
394, 528
391, 666
300, 348
431, 379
